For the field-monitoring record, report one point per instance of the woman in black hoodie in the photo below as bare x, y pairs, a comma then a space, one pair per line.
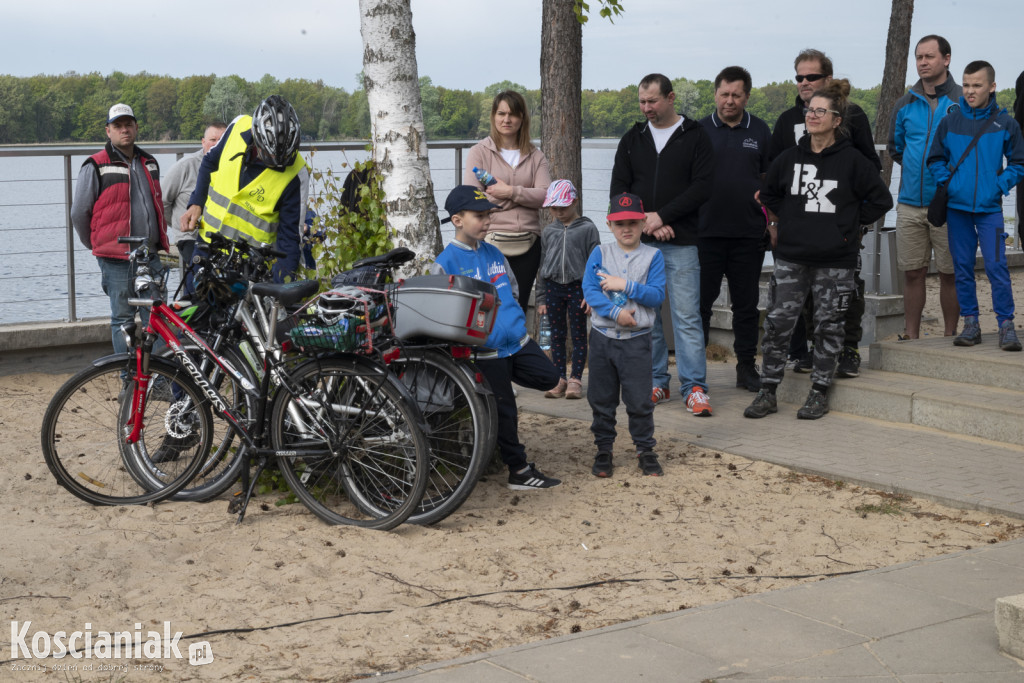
821, 191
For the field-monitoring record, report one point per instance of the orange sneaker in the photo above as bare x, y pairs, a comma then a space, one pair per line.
658, 395
698, 403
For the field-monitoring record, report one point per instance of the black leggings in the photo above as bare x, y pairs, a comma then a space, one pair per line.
525, 267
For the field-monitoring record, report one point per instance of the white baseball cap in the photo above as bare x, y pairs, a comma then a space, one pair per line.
120, 110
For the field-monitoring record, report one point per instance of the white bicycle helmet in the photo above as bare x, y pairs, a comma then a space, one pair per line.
341, 302
275, 131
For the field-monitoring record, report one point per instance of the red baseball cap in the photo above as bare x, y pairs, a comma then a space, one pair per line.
626, 207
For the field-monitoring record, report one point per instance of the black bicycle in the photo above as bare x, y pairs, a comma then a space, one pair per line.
135, 428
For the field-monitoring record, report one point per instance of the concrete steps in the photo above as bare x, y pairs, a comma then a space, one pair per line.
976, 391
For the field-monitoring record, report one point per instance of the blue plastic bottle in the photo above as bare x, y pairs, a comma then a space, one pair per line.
544, 333
617, 298
484, 177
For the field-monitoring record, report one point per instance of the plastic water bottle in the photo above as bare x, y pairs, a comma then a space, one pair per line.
484, 177
618, 298
544, 333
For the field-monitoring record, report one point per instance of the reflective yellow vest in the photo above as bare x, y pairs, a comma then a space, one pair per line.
249, 213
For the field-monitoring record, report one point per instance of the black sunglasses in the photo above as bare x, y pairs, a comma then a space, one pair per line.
809, 77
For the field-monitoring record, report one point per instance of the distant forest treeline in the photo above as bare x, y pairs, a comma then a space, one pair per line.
72, 107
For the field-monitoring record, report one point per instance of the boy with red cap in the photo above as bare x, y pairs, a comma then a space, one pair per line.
620, 336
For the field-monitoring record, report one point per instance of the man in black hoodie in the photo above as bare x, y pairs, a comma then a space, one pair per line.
668, 162
814, 71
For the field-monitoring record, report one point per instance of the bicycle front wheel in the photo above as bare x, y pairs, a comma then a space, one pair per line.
85, 428
357, 452
223, 464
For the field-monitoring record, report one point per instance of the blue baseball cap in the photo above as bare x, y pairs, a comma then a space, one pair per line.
466, 198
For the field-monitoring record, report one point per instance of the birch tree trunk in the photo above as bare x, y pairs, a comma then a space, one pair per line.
392, 90
897, 46
561, 78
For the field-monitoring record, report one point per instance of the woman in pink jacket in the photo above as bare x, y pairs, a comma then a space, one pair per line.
522, 178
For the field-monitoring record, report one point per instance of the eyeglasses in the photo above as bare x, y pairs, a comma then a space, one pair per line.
800, 78
819, 112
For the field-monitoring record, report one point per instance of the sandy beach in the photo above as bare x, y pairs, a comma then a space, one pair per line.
284, 597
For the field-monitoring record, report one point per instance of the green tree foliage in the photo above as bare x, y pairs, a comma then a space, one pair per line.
161, 121
1005, 98
609, 113
768, 101
227, 99
15, 107
192, 92
347, 234
609, 8
73, 107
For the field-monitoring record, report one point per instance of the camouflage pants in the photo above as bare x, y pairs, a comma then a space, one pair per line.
832, 291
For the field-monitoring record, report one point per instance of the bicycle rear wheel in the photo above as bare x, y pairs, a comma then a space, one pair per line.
359, 453
84, 429
459, 427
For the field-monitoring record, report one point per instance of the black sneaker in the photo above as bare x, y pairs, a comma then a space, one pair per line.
814, 407
971, 334
173, 446
849, 362
531, 479
764, 403
602, 465
747, 376
648, 464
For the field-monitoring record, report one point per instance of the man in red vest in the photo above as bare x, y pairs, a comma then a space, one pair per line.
118, 194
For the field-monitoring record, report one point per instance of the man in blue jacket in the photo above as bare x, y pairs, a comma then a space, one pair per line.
914, 122
975, 197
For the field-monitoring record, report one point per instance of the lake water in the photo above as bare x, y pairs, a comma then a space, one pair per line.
33, 237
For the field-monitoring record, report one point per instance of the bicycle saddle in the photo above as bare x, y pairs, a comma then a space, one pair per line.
395, 257
289, 293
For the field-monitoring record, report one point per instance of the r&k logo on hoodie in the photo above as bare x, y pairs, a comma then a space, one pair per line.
806, 183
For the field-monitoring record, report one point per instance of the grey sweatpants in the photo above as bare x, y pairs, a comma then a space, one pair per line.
621, 365
833, 290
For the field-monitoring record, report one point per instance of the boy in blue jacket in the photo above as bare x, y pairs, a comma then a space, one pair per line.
620, 335
510, 356
975, 209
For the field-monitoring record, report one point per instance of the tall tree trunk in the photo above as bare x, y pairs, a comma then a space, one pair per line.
396, 119
897, 46
561, 79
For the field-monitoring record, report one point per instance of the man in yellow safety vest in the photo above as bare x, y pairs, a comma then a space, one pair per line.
253, 184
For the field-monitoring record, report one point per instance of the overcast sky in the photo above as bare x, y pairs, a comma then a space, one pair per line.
469, 44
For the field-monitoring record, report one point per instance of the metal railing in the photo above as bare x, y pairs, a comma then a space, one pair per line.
179, 149
594, 190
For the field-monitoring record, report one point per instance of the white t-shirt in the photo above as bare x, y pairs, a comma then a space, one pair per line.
511, 157
661, 135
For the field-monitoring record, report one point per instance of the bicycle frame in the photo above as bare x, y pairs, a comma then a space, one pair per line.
159, 317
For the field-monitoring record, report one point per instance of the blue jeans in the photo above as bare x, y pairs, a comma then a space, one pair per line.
966, 231
119, 285
682, 274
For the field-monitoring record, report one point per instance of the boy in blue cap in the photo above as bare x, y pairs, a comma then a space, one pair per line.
510, 355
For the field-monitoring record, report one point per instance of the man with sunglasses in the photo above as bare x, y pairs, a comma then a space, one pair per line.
813, 72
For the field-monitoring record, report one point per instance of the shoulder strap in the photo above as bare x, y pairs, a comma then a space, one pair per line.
974, 141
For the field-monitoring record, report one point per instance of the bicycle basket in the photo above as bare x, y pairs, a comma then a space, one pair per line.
342, 319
